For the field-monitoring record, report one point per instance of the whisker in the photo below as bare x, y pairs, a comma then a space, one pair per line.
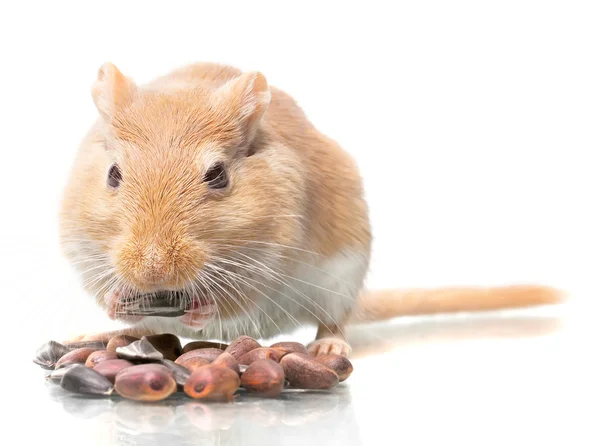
278, 245
295, 278
225, 272
97, 277
282, 282
105, 266
203, 279
222, 293
244, 280
208, 265
281, 256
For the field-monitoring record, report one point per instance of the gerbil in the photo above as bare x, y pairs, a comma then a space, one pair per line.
211, 184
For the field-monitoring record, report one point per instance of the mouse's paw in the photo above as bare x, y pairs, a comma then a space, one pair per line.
115, 306
329, 346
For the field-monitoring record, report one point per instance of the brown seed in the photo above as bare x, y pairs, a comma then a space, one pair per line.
77, 356
210, 354
262, 353
228, 361
338, 363
291, 347
193, 362
264, 377
120, 341
169, 345
98, 356
81, 379
111, 367
195, 345
48, 354
212, 382
241, 346
305, 372
145, 382
139, 351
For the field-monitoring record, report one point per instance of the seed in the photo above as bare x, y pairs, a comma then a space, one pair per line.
180, 373
97, 345
55, 376
241, 346
169, 345
228, 361
145, 382
160, 306
48, 354
98, 356
111, 367
212, 382
139, 351
81, 379
195, 345
291, 347
305, 372
338, 363
264, 377
261, 353
158, 312
156, 366
77, 356
210, 354
120, 341
193, 363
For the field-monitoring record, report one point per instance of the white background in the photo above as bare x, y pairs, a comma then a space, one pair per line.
476, 126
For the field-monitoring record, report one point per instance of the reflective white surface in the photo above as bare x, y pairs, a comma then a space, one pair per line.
521, 377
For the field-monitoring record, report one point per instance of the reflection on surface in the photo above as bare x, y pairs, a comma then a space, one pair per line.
325, 417
372, 339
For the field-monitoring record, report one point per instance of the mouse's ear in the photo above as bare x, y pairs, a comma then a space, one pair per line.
112, 90
247, 97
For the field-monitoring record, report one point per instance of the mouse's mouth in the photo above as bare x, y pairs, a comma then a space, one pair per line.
160, 304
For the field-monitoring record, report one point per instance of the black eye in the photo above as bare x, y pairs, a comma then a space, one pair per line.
216, 177
114, 176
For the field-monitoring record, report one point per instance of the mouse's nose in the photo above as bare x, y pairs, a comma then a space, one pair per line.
153, 263
155, 269
149, 266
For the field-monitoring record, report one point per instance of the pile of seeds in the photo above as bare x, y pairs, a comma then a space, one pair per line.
155, 367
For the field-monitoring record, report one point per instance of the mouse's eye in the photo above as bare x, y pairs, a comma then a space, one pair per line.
216, 177
114, 176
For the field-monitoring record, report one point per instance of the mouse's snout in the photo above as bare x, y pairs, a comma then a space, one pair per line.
160, 263
155, 266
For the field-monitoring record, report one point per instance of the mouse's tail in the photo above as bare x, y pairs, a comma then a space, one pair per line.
387, 304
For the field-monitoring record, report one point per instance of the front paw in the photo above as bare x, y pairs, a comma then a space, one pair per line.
329, 346
115, 308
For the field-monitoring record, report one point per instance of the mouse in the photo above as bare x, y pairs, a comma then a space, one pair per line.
210, 186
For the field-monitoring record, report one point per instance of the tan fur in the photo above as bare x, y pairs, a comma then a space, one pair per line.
294, 212
300, 192
385, 304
